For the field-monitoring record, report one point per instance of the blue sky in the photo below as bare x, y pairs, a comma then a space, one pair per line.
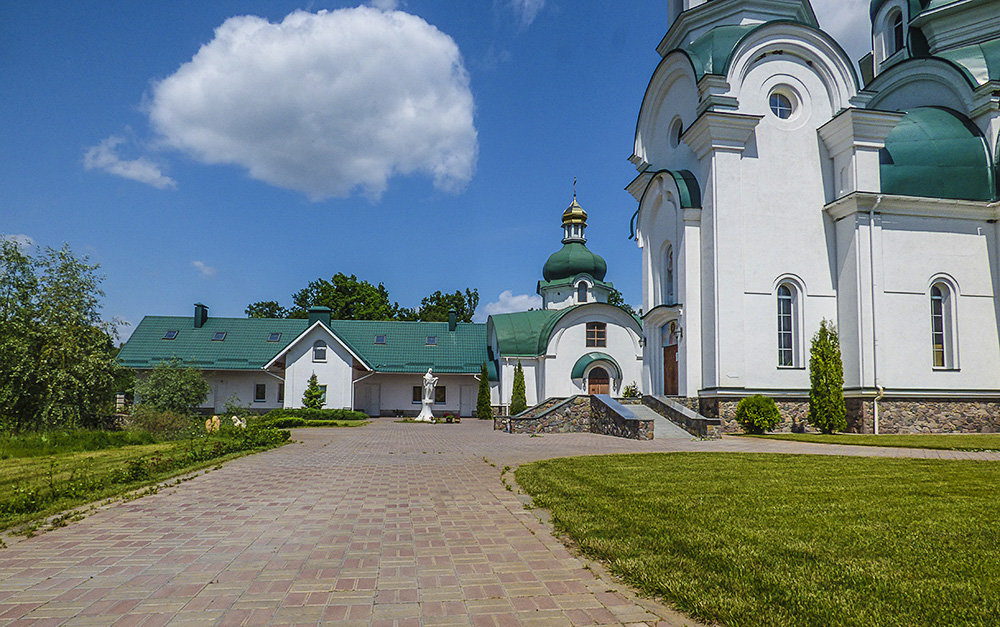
440, 158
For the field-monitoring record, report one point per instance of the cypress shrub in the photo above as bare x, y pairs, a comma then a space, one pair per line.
484, 409
757, 414
313, 396
518, 402
826, 381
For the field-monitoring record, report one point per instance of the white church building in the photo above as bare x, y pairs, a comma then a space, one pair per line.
778, 186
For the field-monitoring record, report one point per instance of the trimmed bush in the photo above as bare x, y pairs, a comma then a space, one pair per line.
484, 408
315, 414
827, 411
757, 414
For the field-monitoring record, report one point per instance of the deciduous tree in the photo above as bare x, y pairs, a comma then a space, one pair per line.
172, 387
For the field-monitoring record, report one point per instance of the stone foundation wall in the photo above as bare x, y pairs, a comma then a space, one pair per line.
566, 416
683, 416
937, 415
609, 417
793, 413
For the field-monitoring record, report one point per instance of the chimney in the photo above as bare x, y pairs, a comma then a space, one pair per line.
200, 315
452, 320
322, 314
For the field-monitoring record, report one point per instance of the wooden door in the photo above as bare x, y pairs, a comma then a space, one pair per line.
598, 382
670, 370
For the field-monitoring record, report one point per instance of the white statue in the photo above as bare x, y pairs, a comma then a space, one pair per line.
430, 382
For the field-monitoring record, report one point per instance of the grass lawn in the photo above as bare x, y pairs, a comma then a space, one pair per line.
34, 486
754, 539
956, 442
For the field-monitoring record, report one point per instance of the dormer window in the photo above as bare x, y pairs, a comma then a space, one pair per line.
274, 337
581, 293
219, 336
432, 340
380, 339
170, 335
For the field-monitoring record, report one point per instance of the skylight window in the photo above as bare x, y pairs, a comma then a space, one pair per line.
219, 336
380, 339
169, 335
274, 337
432, 340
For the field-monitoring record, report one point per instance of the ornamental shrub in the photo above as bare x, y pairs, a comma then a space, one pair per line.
518, 402
164, 423
315, 414
313, 397
631, 391
826, 381
484, 408
757, 414
170, 387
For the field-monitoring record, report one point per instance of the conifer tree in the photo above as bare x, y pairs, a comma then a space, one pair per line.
313, 397
518, 402
826, 379
484, 409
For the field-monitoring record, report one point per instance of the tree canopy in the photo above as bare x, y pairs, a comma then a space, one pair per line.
351, 298
57, 357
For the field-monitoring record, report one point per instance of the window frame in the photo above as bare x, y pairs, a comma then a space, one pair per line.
323, 398
274, 337
432, 340
581, 292
317, 357
788, 325
896, 34
943, 324
170, 334
281, 392
219, 336
260, 392
597, 335
383, 340
418, 394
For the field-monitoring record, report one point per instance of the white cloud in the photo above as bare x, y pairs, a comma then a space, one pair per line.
22, 241
325, 103
508, 302
104, 156
848, 22
207, 271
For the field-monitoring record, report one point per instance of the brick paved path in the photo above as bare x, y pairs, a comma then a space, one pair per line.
391, 523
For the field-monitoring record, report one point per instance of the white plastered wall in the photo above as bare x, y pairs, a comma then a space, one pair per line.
226, 384
395, 393
336, 373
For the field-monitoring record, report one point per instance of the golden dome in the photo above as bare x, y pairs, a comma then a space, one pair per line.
574, 214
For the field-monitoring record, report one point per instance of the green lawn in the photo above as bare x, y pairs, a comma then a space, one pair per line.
956, 442
753, 539
34, 486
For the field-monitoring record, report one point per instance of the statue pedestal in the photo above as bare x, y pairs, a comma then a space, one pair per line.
425, 415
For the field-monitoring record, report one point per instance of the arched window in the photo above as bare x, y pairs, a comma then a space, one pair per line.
581, 292
319, 350
788, 342
942, 324
897, 34
668, 277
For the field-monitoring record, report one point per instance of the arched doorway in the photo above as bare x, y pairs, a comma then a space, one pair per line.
598, 381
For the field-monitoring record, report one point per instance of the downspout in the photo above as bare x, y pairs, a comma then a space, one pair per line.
871, 263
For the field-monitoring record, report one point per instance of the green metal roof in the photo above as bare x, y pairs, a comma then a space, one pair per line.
461, 351
937, 153
687, 188
246, 347
581, 365
980, 62
710, 52
573, 259
527, 333
916, 6
569, 283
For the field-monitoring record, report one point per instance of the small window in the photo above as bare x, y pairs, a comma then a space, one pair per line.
319, 351
786, 327
219, 336
581, 293
322, 389
942, 323
274, 337
440, 396
281, 392
169, 335
597, 334
432, 340
781, 105
897, 34
260, 392
418, 393
380, 339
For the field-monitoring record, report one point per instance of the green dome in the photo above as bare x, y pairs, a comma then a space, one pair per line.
574, 258
937, 153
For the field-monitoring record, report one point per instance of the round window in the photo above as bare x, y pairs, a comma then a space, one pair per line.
676, 130
781, 105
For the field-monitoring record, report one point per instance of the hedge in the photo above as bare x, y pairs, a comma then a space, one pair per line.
313, 414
